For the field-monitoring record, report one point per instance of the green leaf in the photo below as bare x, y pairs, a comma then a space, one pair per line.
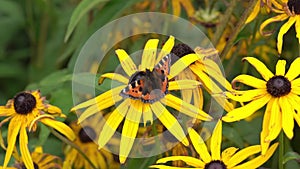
44, 133
232, 135
290, 156
139, 163
55, 78
62, 98
10, 69
79, 12
111, 11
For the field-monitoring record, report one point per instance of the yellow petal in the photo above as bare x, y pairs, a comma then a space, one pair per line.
24, 148
185, 108
113, 76
294, 70
147, 114
227, 154
4, 111
176, 7
103, 101
181, 64
13, 130
260, 67
211, 71
276, 18
166, 49
199, 146
130, 129
149, 54
275, 121
294, 100
60, 127
126, 62
265, 127
187, 95
254, 13
263, 142
109, 96
113, 122
297, 27
246, 111
198, 98
212, 87
191, 161
280, 68
258, 161
284, 28
243, 155
295, 83
54, 110
169, 121
250, 81
287, 117
89, 112
207, 82
247, 96
183, 84
216, 140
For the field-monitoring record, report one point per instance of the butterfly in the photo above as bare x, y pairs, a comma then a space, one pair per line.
149, 86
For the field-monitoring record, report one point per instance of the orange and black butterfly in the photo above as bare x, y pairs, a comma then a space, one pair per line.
149, 86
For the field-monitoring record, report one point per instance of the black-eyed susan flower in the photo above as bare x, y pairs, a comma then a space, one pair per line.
144, 101
23, 112
230, 158
86, 136
287, 9
205, 70
42, 160
279, 92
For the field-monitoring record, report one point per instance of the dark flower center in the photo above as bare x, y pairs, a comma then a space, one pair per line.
294, 6
87, 134
181, 50
34, 165
278, 86
217, 164
24, 103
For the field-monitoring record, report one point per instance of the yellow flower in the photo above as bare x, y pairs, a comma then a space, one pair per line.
288, 9
280, 93
203, 70
133, 110
24, 111
230, 158
42, 160
85, 137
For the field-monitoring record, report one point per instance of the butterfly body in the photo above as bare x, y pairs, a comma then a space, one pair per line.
149, 86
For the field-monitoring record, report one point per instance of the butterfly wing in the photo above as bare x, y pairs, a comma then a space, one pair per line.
134, 89
163, 66
162, 70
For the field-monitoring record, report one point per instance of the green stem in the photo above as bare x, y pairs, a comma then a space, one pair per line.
65, 140
238, 28
224, 21
281, 150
